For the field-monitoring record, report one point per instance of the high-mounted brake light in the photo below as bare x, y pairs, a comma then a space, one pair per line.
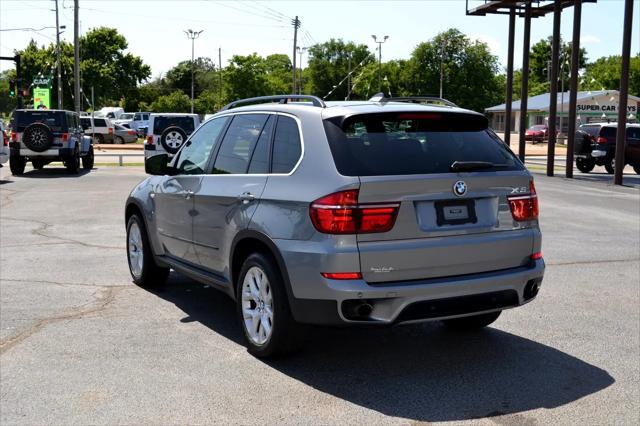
525, 207
419, 116
340, 213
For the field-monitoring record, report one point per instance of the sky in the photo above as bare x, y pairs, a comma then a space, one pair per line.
155, 28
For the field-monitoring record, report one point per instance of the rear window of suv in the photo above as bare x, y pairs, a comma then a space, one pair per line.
54, 119
414, 143
160, 124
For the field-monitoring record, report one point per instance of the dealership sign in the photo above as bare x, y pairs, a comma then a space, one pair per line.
42, 81
604, 108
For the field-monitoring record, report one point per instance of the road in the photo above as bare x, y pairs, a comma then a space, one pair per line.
80, 344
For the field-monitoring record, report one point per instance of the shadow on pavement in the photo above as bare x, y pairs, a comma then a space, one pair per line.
420, 371
628, 179
54, 173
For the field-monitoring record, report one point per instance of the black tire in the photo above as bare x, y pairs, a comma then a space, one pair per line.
17, 164
151, 275
172, 139
610, 166
636, 169
118, 140
585, 165
474, 322
73, 164
37, 137
38, 164
285, 334
88, 160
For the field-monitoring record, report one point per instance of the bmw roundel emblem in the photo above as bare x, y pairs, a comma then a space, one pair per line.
460, 188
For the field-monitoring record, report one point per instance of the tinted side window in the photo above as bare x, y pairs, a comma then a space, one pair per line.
193, 158
633, 132
238, 143
286, 145
608, 132
137, 117
260, 159
100, 122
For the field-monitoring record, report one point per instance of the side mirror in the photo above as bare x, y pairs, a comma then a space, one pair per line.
158, 165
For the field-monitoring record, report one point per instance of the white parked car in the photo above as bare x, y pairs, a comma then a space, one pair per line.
168, 131
125, 120
140, 123
101, 129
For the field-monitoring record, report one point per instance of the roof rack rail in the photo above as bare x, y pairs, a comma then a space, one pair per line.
379, 97
283, 99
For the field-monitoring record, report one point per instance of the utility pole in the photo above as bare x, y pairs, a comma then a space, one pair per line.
220, 72
296, 24
76, 55
349, 79
19, 91
192, 35
441, 66
375, 39
301, 50
58, 58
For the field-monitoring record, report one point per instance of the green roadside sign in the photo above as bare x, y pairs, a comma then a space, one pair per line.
41, 98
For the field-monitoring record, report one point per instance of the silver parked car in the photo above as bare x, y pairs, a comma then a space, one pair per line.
375, 212
122, 134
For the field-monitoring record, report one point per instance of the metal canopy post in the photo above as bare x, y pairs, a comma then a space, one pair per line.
553, 88
624, 93
573, 94
509, 94
525, 79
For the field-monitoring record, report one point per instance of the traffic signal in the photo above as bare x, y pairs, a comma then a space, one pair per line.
12, 88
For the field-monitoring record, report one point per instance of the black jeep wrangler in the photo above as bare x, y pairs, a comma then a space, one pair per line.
44, 136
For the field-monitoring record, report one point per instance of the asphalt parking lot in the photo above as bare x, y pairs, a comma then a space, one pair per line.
80, 344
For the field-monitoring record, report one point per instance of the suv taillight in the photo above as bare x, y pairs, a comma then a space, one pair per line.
340, 213
65, 137
601, 140
524, 207
150, 140
14, 137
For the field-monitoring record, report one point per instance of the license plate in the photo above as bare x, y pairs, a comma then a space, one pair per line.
455, 212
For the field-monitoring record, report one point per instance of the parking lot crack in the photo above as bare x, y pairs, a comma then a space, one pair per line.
107, 295
592, 262
63, 284
44, 226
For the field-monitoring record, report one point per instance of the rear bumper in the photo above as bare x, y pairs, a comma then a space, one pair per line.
53, 153
430, 299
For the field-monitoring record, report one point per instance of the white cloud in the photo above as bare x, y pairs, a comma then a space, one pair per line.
492, 42
589, 39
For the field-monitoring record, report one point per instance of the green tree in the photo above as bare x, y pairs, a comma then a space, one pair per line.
470, 71
246, 77
173, 102
278, 68
104, 65
179, 77
328, 65
539, 63
604, 73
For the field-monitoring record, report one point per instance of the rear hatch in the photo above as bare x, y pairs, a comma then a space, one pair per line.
449, 177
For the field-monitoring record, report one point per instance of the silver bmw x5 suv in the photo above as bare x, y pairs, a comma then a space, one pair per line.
369, 212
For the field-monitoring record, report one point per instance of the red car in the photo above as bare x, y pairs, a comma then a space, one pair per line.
537, 133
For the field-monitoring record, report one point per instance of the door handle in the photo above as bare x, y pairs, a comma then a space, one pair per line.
246, 197
188, 194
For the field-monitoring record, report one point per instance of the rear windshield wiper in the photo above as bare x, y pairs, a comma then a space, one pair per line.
460, 166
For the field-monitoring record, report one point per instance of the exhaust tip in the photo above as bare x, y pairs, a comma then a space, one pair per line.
531, 289
357, 310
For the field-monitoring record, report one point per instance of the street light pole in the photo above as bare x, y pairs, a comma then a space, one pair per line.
301, 50
193, 35
375, 39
